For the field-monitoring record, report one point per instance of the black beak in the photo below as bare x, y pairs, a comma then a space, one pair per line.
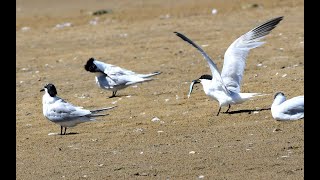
41, 90
196, 81
108, 76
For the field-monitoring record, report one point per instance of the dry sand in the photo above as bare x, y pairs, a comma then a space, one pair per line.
189, 141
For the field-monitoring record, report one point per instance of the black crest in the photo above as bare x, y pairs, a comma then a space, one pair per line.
90, 66
206, 76
51, 89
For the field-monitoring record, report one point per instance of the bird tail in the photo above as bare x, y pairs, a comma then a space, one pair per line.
98, 115
246, 96
141, 80
149, 75
102, 109
92, 116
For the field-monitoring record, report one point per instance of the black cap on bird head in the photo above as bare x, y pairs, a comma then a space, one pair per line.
51, 89
278, 93
90, 66
205, 76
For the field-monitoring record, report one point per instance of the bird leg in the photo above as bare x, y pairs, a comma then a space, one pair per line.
113, 94
65, 129
219, 111
228, 108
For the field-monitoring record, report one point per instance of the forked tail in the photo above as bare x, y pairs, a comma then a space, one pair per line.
93, 115
103, 109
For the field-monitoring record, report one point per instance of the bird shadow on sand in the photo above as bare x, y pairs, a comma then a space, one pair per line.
119, 96
70, 133
249, 111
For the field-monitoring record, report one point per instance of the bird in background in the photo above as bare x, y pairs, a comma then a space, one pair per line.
225, 87
291, 109
114, 78
57, 110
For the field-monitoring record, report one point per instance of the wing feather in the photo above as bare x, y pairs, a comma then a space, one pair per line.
237, 52
213, 67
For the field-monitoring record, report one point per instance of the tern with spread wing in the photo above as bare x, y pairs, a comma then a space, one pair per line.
225, 87
114, 78
63, 113
291, 109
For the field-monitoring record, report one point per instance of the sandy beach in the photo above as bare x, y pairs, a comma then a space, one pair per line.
54, 40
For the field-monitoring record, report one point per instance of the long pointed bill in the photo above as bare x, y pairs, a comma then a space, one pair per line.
191, 86
109, 77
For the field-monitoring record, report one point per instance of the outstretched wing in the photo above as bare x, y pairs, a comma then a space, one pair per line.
213, 67
236, 54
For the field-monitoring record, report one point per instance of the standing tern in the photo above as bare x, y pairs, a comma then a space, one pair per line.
114, 78
63, 113
291, 109
225, 87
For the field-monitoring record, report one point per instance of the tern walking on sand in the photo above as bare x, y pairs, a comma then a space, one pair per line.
114, 78
225, 87
63, 113
291, 109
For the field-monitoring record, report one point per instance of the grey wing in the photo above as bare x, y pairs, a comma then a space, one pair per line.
63, 110
294, 105
295, 110
111, 69
212, 65
237, 52
116, 70
127, 79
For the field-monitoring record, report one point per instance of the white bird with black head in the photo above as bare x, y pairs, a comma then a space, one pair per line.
57, 110
114, 78
225, 87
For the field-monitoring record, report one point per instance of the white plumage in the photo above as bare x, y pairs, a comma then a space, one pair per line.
114, 78
291, 109
225, 87
57, 110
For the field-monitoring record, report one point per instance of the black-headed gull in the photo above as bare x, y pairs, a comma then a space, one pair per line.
63, 113
114, 78
225, 87
291, 109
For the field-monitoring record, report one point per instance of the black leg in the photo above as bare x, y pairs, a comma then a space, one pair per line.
219, 111
61, 130
228, 108
65, 129
113, 94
